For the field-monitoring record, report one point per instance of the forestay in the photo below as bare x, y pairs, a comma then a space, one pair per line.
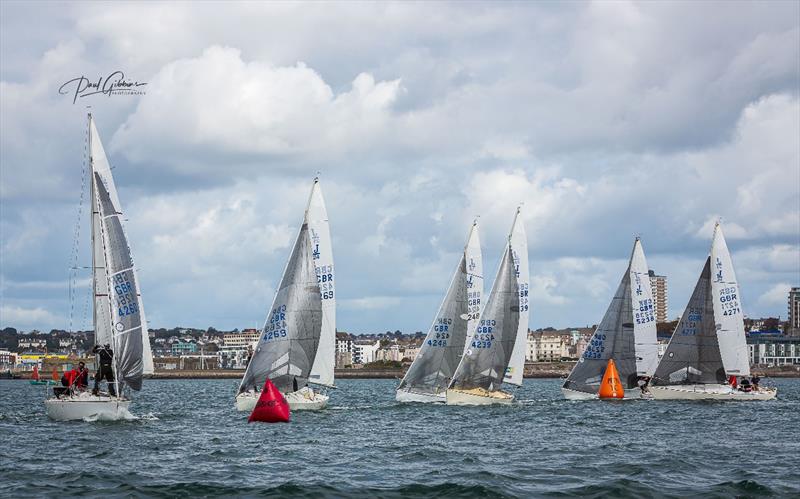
433, 368
322, 250
727, 309
289, 340
693, 354
484, 363
519, 249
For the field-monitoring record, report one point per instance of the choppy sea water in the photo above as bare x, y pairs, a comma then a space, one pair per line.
188, 440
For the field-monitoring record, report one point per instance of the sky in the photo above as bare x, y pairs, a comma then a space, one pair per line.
605, 120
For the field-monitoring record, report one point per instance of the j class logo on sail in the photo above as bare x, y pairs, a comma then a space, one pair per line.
484, 334
523, 296
730, 304
471, 268
325, 281
692, 319
638, 283
646, 313
718, 265
515, 257
276, 326
596, 347
315, 243
125, 297
441, 332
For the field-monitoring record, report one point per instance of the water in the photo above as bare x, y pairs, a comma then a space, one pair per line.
189, 441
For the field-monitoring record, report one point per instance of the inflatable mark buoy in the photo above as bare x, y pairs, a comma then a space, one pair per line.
271, 406
611, 386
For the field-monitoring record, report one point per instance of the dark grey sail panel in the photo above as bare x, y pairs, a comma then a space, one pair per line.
692, 355
487, 356
290, 337
613, 339
434, 366
123, 290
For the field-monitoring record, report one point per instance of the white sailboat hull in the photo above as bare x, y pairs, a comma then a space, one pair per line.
631, 394
304, 399
86, 406
407, 396
461, 397
709, 392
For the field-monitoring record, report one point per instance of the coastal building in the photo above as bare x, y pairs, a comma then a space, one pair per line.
242, 340
532, 347
344, 359
364, 351
182, 347
658, 285
390, 353
343, 342
794, 311
31, 344
553, 347
773, 350
7, 360
410, 353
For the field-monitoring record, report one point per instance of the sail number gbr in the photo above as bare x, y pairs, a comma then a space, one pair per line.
276, 325
441, 332
729, 301
325, 281
125, 295
596, 347
484, 334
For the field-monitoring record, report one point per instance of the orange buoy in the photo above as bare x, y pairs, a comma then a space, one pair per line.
271, 406
611, 386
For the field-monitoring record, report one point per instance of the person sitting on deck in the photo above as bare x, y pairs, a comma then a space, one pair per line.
82, 379
754, 380
745, 385
643, 382
104, 371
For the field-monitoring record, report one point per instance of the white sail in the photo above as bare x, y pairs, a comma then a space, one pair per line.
728, 309
474, 266
519, 248
644, 319
119, 314
322, 250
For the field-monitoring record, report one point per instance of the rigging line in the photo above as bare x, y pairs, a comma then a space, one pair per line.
76, 240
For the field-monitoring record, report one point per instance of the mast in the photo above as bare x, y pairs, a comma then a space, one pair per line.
92, 213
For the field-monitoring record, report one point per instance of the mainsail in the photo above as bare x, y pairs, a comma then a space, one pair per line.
484, 363
289, 340
433, 368
627, 333
519, 248
692, 355
118, 312
319, 230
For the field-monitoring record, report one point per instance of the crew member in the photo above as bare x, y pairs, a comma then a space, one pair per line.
82, 377
104, 371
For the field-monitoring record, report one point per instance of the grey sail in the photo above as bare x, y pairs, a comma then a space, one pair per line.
693, 355
613, 339
102, 307
486, 358
123, 291
434, 366
289, 340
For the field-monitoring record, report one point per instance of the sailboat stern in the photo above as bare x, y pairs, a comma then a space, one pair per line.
478, 396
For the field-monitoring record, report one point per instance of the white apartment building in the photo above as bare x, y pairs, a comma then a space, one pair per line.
364, 353
531, 347
246, 338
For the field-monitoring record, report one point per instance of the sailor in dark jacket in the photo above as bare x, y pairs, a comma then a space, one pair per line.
104, 371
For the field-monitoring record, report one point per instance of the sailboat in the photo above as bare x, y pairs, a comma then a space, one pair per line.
297, 343
485, 363
708, 345
36, 378
519, 251
433, 368
626, 335
118, 316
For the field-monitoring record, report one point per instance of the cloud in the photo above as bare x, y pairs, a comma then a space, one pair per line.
777, 295
28, 318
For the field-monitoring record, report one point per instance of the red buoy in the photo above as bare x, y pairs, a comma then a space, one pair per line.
271, 406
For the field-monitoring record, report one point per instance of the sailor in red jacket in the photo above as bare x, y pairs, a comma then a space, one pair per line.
76, 378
